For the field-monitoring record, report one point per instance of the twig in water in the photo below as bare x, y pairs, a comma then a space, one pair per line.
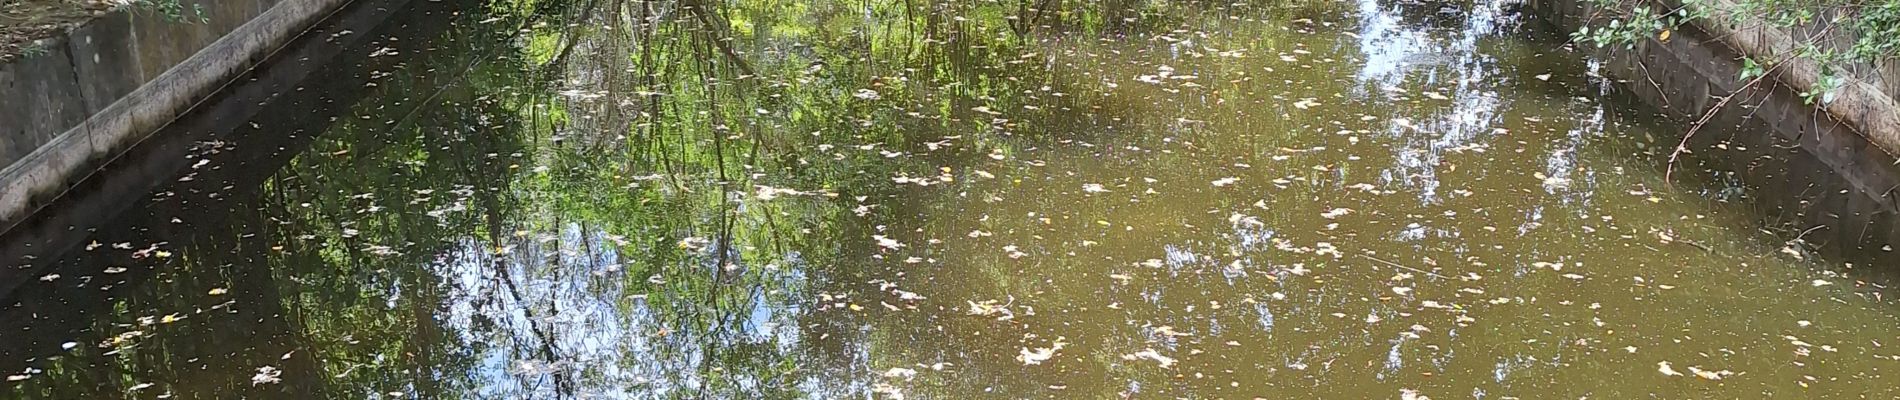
1684, 145
1670, 169
1396, 265
1805, 233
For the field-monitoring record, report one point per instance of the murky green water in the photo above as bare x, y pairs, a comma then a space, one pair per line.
931, 200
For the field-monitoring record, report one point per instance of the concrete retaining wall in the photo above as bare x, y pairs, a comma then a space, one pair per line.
87, 69
1809, 170
1868, 99
105, 86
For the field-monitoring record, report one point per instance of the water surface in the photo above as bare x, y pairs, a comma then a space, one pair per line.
613, 199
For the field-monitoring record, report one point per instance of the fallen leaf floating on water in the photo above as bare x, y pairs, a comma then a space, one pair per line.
989, 308
1792, 252
1552, 181
266, 374
890, 392
1151, 354
1248, 220
769, 193
1710, 375
886, 242
1168, 331
1663, 366
905, 373
1224, 182
1040, 354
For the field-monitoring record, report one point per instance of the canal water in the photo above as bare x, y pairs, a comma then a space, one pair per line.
931, 200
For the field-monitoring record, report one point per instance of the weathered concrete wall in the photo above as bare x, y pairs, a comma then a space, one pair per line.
1859, 101
68, 125
1868, 99
1808, 170
1881, 75
87, 69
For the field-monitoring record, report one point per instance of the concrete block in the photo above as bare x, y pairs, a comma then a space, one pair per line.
39, 97
103, 53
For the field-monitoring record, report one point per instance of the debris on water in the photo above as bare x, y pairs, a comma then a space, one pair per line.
1039, 355
1663, 366
1152, 355
266, 375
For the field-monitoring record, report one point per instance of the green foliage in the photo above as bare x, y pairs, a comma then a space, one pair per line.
1640, 23
1750, 70
176, 10
1830, 77
1878, 27
1823, 90
1783, 13
35, 49
1874, 25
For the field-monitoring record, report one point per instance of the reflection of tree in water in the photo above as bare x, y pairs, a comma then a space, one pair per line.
594, 226
1430, 14
241, 274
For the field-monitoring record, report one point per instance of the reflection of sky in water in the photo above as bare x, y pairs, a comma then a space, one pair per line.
580, 334
1386, 44
1561, 166
1395, 50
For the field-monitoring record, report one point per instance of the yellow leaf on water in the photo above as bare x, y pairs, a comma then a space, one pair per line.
218, 291
1664, 36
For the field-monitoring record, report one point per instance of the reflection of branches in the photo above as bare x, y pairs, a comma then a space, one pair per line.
720, 37
563, 383
560, 58
1029, 16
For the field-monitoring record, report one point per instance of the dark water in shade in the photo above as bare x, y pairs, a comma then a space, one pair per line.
930, 200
